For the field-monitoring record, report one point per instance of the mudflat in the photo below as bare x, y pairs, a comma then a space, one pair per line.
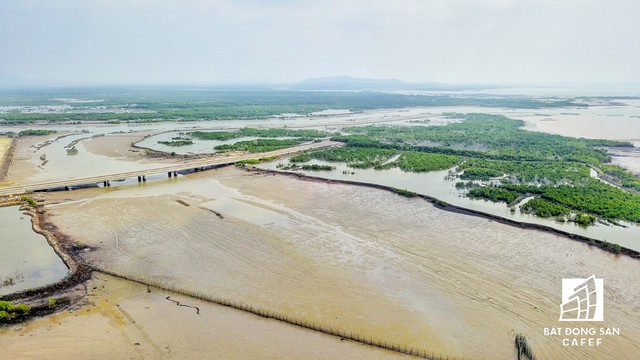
120, 319
357, 259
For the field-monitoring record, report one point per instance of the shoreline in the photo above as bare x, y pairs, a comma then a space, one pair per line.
72, 289
460, 210
262, 312
67, 291
80, 272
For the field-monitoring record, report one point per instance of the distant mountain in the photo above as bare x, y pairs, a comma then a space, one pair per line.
354, 84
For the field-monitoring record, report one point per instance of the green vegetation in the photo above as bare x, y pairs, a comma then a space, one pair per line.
615, 248
441, 203
480, 174
316, 167
29, 200
364, 158
493, 193
483, 136
260, 145
32, 132
525, 171
621, 177
268, 133
544, 208
597, 198
594, 197
554, 168
51, 301
405, 193
9, 311
584, 219
466, 185
422, 162
256, 161
177, 104
176, 142
354, 157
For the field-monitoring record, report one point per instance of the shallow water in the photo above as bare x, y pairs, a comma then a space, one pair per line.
610, 122
434, 184
26, 257
199, 146
58, 164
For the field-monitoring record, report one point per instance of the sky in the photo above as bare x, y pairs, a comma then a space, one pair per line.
280, 41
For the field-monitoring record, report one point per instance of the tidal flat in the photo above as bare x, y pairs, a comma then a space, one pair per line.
120, 319
353, 258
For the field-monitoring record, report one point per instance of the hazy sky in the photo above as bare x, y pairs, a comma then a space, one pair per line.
214, 41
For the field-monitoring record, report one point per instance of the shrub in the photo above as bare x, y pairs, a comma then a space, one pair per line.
29, 201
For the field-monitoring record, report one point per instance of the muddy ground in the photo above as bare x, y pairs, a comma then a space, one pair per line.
358, 259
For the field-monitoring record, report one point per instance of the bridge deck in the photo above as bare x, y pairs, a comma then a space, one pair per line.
188, 165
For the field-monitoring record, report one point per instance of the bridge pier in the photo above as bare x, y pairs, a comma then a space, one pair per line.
144, 178
183, 168
106, 183
169, 173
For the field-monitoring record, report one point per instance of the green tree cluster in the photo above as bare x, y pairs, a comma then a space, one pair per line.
176, 143
492, 193
260, 145
263, 133
544, 208
33, 132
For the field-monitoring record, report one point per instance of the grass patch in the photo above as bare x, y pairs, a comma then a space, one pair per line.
9, 311
29, 200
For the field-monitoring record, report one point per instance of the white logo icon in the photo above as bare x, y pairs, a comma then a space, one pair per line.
582, 299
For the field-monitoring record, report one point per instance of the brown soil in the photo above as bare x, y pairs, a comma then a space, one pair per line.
122, 146
119, 319
404, 271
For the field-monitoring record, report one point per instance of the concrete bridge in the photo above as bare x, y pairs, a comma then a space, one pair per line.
171, 170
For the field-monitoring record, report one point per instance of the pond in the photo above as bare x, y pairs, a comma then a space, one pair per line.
26, 260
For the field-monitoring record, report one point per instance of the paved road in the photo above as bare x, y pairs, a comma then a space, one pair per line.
188, 165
